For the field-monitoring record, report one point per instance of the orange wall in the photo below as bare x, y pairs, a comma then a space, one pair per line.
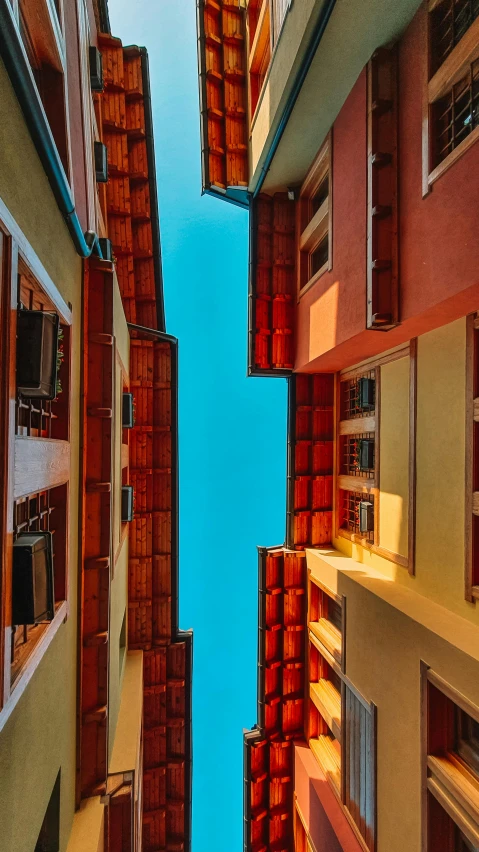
438, 246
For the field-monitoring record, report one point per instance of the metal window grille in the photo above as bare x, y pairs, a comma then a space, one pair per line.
456, 115
351, 501
280, 9
30, 514
358, 763
350, 455
350, 397
450, 20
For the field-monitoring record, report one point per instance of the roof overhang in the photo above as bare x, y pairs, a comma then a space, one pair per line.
351, 34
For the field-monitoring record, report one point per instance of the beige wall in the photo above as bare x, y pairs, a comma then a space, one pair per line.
297, 26
394, 456
40, 737
440, 466
386, 639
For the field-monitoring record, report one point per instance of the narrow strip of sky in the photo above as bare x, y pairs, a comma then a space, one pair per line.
232, 429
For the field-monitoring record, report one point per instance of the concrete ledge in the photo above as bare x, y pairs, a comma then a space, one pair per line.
329, 565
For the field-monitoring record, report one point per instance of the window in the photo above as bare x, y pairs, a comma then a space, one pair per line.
314, 221
452, 123
340, 725
40, 27
376, 455
259, 26
451, 767
280, 10
358, 456
35, 462
44, 511
39, 418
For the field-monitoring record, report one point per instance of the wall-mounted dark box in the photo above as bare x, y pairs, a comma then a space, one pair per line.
37, 347
32, 579
127, 510
106, 248
366, 394
366, 516
96, 70
128, 411
366, 454
101, 162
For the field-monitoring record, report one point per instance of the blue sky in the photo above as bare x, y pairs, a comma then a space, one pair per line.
232, 429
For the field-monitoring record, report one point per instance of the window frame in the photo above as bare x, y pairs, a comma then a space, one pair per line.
368, 425
15, 247
319, 225
338, 667
265, 39
436, 86
446, 778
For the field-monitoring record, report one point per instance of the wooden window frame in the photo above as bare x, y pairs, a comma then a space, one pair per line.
339, 669
436, 86
372, 486
318, 225
48, 460
446, 777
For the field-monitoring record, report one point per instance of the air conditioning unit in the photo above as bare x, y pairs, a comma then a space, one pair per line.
366, 516
96, 70
128, 411
37, 348
106, 248
366, 394
101, 162
127, 509
33, 599
365, 454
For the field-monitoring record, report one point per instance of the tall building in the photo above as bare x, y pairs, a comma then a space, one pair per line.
95, 674
348, 130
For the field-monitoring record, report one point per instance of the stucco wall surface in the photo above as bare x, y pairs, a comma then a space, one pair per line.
39, 738
385, 644
440, 463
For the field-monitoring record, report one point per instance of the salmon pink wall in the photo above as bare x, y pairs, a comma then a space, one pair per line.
438, 245
439, 248
338, 302
325, 820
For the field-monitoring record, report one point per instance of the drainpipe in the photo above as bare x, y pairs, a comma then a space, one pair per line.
21, 77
